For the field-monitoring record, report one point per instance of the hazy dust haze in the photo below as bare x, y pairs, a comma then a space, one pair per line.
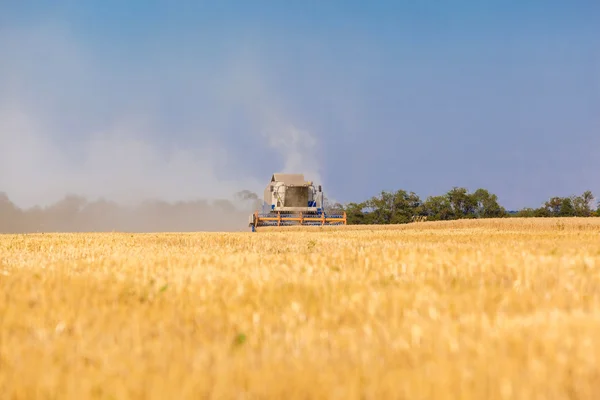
85, 149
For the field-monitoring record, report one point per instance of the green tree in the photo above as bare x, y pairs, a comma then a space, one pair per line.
380, 207
583, 204
437, 208
525, 213
543, 212
574, 206
405, 206
533, 213
486, 205
463, 205
553, 205
566, 208
355, 214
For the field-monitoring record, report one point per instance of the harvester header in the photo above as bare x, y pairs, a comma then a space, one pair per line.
291, 200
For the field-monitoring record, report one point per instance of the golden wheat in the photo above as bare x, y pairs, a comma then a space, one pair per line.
467, 309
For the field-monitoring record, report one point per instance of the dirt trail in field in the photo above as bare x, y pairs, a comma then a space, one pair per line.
77, 214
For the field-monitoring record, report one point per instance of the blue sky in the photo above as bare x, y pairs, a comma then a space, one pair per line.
145, 99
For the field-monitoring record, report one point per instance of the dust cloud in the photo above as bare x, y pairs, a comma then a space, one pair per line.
121, 183
89, 146
76, 214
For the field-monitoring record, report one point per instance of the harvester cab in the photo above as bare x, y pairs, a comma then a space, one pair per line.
290, 200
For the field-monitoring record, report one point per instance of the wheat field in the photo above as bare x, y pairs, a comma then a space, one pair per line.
492, 309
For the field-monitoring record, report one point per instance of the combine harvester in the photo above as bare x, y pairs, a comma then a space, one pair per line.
289, 200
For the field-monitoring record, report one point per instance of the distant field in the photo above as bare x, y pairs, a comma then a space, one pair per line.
469, 309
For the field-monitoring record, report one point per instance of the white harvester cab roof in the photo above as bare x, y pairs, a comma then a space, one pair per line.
288, 179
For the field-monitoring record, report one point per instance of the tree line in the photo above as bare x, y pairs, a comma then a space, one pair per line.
458, 203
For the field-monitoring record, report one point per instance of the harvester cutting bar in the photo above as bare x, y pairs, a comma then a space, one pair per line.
278, 218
